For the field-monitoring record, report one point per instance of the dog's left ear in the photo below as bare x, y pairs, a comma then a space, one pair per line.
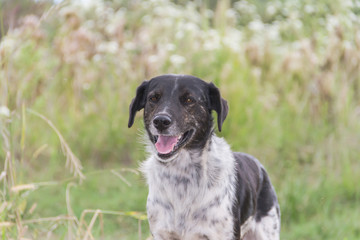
218, 104
138, 102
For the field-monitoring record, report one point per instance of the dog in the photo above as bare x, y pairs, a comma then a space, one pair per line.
198, 188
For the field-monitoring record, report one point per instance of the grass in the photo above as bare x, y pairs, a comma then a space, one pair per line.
290, 73
91, 196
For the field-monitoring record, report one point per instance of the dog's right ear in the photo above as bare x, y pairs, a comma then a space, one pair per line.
218, 104
138, 102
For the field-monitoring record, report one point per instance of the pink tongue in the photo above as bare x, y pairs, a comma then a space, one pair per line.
165, 144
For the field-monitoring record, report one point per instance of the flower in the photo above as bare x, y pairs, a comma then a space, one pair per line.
256, 25
177, 60
4, 111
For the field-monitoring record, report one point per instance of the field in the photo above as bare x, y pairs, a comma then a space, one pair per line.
290, 71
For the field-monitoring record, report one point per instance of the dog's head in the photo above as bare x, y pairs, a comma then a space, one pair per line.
177, 112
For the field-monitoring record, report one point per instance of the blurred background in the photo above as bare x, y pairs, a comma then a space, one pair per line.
290, 71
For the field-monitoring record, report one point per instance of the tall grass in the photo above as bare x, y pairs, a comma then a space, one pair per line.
290, 71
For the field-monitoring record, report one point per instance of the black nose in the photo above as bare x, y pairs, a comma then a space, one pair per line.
162, 122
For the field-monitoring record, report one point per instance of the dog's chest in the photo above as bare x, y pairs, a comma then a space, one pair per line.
190, 202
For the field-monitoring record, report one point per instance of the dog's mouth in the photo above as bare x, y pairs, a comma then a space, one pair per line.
167, 146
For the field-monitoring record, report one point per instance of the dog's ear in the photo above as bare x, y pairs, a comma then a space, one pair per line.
218, 104
138, 102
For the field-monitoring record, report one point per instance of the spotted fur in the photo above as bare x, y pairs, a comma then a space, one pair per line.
201, 189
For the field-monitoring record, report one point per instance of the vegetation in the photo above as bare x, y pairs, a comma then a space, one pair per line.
290, 71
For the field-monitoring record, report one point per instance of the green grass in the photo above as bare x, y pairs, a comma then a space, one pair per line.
101, 190
290, 73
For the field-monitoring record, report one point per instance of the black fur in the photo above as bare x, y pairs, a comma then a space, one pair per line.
207, 99
254, 192
181, 106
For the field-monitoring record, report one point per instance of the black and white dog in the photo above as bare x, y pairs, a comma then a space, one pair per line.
198, 187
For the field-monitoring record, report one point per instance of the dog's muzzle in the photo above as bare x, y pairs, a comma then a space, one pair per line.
167, 138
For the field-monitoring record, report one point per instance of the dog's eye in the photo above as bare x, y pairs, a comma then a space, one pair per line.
188, 100
154, 98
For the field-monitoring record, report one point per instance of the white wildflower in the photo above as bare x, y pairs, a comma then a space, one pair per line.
191, 27
146, 19
7, 44
108, 47
331, 23
245, 7
347, 45
209, 13
179, 34
153, 59
177, 60
2, 175
271, 10
256, 71
4, 111
309, 8
170, 47
348, 3
212, 40
167, 11
273, 31
88, 4
353, 17
129, 46
232, 39
230, 13
297, 24
256, 25
97, 58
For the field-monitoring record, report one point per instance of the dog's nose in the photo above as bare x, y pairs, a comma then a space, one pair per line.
162, 122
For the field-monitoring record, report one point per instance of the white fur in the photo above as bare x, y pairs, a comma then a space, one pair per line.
268, 228
248, 226
181, 201
173, 202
